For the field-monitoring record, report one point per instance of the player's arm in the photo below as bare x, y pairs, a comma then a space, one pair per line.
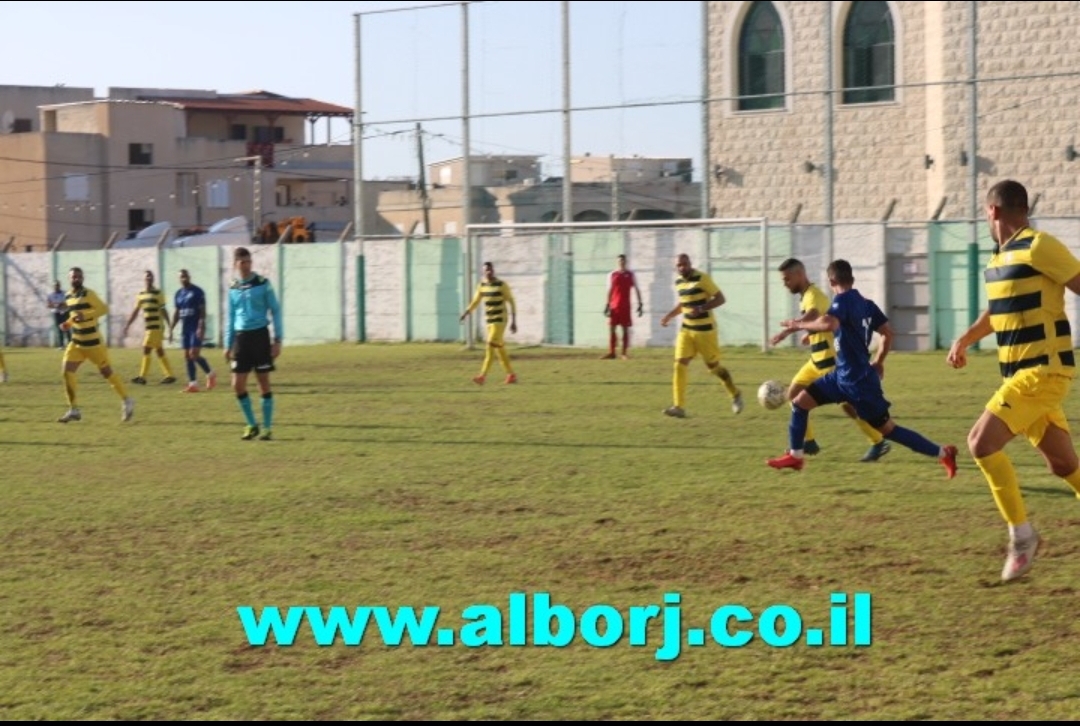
472, 305
824, 323
671, 315
885, 344
274, 306
807, 316
957, 357
134, 314
640, 304
229, 317
607, 298
508, 297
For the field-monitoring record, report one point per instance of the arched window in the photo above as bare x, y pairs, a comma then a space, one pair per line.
761, 59
869, 54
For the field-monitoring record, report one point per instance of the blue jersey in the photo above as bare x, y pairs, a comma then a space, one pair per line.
252, 304
189, 302
859, 318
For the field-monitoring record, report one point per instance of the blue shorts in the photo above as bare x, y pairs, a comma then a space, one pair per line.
866, 397
190, 339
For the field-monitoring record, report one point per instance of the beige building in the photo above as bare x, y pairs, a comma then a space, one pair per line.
513, 189
97, 169
890, 110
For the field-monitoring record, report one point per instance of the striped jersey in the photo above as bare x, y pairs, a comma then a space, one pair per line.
85, 302
496, 296
1025, 291
821, 343
696, 288
152, 302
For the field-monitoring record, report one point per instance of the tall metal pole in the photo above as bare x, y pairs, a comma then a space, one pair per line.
466, 177
567, 187
256, 193
829, 152
358, 141
973, 167
705, 172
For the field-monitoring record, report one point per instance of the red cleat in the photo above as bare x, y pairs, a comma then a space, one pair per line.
511, 378
787, 461
478, 380
949, 461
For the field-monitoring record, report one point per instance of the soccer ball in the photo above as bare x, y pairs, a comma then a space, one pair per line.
771, 395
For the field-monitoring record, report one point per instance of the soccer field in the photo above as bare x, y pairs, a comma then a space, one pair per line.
565, 505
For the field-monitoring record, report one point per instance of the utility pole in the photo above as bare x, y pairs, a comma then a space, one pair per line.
256, 192
425, 203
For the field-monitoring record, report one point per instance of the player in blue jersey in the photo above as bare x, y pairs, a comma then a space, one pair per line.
253, 306
856, 379
190, 305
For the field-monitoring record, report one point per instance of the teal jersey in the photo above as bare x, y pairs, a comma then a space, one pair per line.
252, 305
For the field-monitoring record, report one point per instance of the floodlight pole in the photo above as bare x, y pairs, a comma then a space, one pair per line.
256, 192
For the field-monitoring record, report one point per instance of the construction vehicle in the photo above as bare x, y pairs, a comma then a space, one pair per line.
289, 229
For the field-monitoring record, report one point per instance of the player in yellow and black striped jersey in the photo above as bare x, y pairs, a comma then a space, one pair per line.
698, 297
814, 303
1025, 291
85, 310
499, 306
151, 302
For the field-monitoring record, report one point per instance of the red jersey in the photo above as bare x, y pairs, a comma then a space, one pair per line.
620, 284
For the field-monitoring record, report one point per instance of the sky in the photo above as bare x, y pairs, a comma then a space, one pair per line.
645, 55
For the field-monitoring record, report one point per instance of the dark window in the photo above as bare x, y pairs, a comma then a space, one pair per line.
21, 126
869, 53
268, 135
140, 219
761, 59
238, 132
140, 154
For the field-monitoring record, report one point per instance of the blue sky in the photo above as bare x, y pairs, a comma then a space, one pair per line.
641, 53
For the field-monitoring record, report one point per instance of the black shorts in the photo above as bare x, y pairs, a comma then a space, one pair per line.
251, 352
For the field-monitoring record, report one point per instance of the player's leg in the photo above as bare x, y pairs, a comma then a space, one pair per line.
824, 390
806, 375
685, 350
878, 445
99, 356
498, 341
144, 363
242, 365
159, 348
263, 378
612, 337
195, 350
709, 345
73, 358
626, 341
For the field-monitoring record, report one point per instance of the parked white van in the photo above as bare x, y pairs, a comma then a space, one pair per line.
233, 232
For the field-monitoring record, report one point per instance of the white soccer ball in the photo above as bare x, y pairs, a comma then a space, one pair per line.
771, 395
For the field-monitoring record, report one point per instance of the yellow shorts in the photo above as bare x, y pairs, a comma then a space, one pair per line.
495, 334
691, 343
96, 354
809, 373
153, 338
1030, 401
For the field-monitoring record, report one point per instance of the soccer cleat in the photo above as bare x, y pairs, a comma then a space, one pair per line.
949, 461
737, 404
877, 451
1021, 557
168, 379
250, 432
609, 356
191, 387
211, 380
266, 436
787, 461
478, 380
811, 448
511, 378
3, 377
72, 414
139, 379
127, 409
674, 412
625, 356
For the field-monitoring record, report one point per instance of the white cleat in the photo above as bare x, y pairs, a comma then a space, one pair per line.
127, 409
1021, 557
72, 414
